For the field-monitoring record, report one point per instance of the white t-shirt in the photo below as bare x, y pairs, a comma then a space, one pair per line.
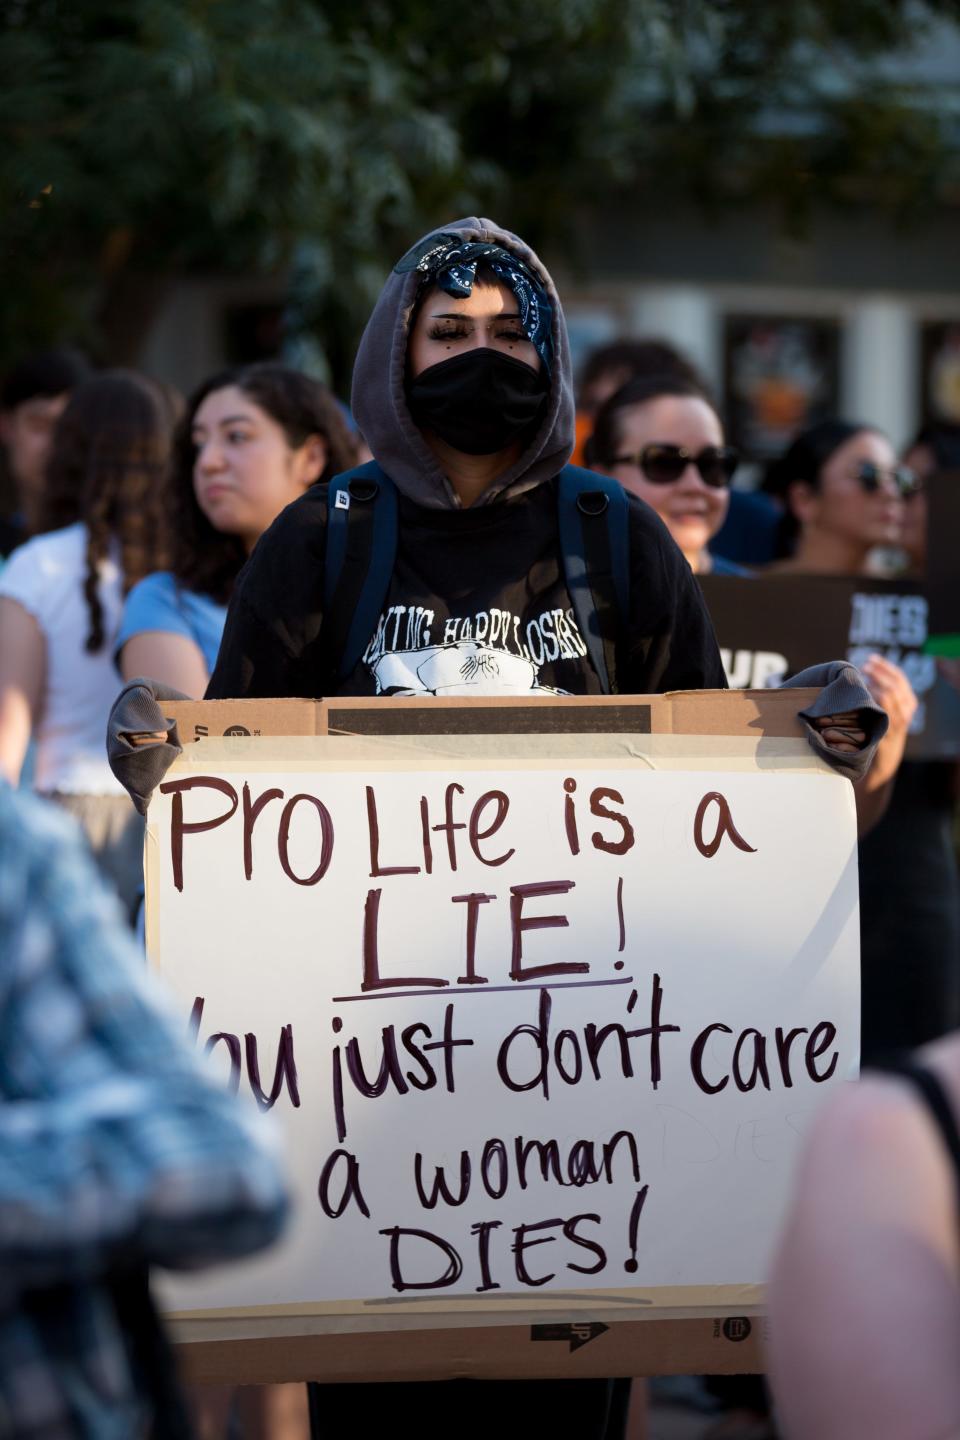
46, 577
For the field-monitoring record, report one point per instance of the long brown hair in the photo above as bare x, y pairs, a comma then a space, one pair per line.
108, 467
205, 559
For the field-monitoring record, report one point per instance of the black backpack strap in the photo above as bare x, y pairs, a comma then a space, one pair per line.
594, 519
931, 1090
360, 554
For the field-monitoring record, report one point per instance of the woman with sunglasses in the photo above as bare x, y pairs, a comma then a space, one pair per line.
844, 495
663, 440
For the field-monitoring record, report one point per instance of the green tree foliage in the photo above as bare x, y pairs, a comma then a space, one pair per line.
144, 139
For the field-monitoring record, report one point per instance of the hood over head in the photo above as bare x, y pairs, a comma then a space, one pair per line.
379, 402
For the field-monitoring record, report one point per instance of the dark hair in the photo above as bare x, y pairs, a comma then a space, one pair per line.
638, 359
802, 461
206, 559
108, 468
942, 439
44, 375
604, 444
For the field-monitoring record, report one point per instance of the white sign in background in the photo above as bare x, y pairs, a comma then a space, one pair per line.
597, 1084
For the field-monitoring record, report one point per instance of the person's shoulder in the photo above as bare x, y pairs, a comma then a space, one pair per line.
54, 550
301, 525
159, 585
283, 576
653, 550
155, 603
38, 571
158, 582
649, 537
646, 527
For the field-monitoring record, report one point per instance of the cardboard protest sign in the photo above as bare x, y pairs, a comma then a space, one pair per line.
774, 626
542, 1019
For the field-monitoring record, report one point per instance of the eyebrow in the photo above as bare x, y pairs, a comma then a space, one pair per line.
459, 315
227, 420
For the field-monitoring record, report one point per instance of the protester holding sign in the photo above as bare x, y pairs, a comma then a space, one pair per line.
463, 391
465, 560
251, 442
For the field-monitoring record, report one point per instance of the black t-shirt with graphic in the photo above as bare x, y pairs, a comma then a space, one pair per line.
477, 605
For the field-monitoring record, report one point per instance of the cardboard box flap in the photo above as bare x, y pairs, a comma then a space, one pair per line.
767, 713
751, 713
211, 719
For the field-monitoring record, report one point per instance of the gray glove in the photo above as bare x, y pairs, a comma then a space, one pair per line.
140, 768
842, 688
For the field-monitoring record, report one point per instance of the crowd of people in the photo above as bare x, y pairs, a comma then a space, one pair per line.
184, 541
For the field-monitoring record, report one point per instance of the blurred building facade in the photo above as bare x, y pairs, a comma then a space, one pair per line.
858, 314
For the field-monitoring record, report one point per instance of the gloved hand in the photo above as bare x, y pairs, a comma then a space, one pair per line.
142, 743
844, 724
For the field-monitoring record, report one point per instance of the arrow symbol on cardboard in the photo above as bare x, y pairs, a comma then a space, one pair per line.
578, 1335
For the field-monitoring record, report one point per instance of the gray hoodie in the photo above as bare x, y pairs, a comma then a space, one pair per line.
396, 443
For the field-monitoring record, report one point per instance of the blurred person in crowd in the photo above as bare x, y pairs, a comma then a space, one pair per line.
747, 532
61, 596
609, 367
33, 396
662, 439
251, 441
864, 1295
115, 1152
936, 448
845, 493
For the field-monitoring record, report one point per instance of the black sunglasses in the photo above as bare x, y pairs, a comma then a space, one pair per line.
871, 478
662, 464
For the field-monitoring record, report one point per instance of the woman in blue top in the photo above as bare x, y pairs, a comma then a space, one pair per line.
251, 441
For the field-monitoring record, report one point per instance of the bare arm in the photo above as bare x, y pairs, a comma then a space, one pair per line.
173, 660
865, 1291
23, 662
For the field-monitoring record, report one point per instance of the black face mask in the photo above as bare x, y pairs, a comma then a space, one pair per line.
479, 402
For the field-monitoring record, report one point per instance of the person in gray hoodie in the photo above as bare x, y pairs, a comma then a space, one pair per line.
463, 391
